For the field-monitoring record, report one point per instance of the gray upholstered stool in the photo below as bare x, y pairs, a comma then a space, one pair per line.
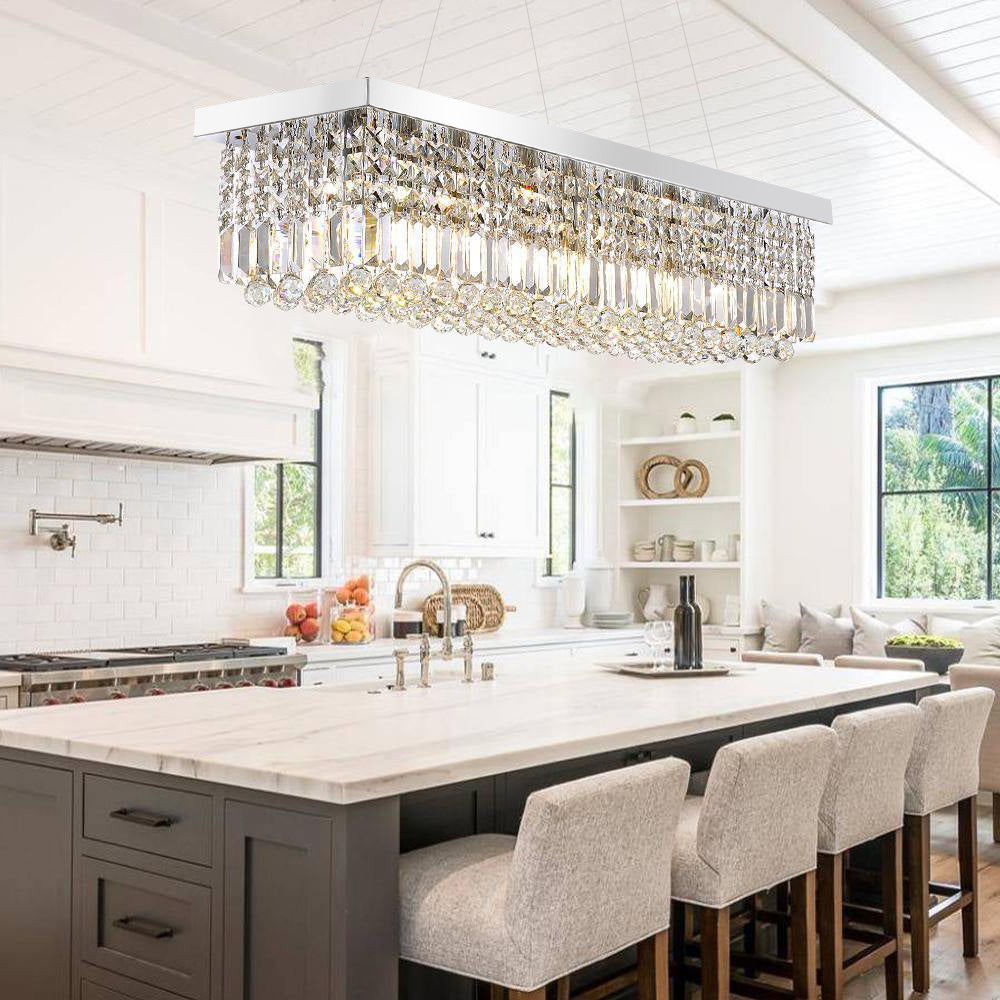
877, 663
943, 771
587, 876
966, 675
755, 827
787, 659
862, 802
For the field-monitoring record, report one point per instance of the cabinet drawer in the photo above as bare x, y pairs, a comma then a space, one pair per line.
160, 821
92, 992
153, 929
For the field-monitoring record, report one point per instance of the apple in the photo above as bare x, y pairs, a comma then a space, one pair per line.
295, 613
312, 610
293, 631
309, 629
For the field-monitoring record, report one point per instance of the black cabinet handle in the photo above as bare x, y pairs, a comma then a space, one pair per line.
144, 927
141, 818
486, 534
489, 355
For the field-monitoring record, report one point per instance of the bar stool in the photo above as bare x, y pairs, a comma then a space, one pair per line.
966, 675
789, 659
862, 802
755, 827
587, 876
878, 663
943, 771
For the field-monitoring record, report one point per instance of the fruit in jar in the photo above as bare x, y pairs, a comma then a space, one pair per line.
342, 625
295, 613
355, 635
309, 629
337, 636
344, 595
312, 610
360, 596
292, 630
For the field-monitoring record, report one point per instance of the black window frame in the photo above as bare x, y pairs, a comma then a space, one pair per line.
989, 491
570, 486
317, 463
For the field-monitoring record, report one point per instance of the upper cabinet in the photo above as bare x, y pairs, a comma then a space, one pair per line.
467, 442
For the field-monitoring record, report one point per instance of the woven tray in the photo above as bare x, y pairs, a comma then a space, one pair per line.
484, 606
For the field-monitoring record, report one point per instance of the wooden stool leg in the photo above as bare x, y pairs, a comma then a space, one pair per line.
714, 953
678, 942
917, 835
830, 909
968, 867
654, 968
803, 936
533, 995
892, 910
750, 934
996, 817
562, 989
781, 904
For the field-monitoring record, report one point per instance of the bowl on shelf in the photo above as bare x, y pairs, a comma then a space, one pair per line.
683, 550
611, 619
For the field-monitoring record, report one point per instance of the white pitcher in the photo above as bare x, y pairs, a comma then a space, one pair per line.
653, 602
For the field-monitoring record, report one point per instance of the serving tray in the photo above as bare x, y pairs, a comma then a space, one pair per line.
646, 668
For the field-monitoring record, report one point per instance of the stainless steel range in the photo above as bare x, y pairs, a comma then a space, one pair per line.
100, 675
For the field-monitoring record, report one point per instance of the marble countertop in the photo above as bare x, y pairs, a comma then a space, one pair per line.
346, 744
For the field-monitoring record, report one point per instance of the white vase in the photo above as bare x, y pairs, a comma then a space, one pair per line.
574, 594
686, 425
722, 426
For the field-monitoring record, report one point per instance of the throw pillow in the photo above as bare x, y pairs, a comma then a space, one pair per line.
871, 633
981, 639
783, 628
822, 633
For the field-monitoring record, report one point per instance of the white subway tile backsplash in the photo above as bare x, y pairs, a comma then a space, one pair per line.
89, 488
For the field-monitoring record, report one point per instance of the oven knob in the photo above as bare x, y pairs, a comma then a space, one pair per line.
268, 682
117, 695
76, 699
223, 686
245, 684
201, 686
155, 691
286, 682
51, 701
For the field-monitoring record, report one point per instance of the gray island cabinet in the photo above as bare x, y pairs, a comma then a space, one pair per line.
244, 845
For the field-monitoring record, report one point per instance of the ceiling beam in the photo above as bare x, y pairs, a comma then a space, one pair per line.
152, 40
833, 40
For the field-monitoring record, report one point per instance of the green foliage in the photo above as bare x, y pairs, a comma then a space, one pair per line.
924, 642
936, 437
723, 416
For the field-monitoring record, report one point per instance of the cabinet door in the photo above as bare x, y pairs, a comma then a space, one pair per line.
276, 909
512, 467
36, 845
448, 428
499, 356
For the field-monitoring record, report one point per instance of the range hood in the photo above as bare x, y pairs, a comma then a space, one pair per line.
75, 405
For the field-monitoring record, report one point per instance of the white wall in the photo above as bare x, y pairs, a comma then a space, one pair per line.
824, 462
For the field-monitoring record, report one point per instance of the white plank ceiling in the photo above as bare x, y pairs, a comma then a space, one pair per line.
685, 78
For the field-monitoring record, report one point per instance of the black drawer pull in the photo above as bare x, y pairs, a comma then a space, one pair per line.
141, 818
144, 927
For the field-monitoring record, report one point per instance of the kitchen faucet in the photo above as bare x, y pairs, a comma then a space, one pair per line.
426, 653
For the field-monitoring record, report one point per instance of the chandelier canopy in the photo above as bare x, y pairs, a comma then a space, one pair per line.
395, 204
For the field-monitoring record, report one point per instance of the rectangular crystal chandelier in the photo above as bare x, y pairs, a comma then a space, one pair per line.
395, 204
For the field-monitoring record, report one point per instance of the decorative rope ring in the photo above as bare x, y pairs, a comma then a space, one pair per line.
642, 477
691, 471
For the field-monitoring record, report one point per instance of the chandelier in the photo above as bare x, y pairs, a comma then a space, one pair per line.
393, 204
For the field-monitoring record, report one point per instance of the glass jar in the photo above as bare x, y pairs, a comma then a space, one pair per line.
302, 616
352, 616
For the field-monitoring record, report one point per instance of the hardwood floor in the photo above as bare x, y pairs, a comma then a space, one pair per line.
952, 976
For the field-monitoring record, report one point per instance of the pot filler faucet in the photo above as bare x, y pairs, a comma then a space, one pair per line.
446, 650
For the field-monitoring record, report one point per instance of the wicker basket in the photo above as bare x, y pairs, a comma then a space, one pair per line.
484, 606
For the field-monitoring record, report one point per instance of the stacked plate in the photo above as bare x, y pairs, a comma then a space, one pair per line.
611, 619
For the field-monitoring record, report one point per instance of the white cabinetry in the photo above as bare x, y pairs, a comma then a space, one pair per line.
469, 445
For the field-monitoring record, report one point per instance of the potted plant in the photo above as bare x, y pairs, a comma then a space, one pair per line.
936, 653
723, 423
686, 424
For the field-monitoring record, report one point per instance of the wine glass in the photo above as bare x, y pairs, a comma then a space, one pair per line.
657, 636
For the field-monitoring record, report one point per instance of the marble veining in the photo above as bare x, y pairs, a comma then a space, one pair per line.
346, 745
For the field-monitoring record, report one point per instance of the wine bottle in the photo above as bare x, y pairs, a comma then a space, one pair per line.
696, 651
683, 620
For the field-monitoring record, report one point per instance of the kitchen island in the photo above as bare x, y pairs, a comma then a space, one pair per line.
243, 845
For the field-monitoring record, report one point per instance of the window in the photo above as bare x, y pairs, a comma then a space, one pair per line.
562, 485
939, 489
287, 510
